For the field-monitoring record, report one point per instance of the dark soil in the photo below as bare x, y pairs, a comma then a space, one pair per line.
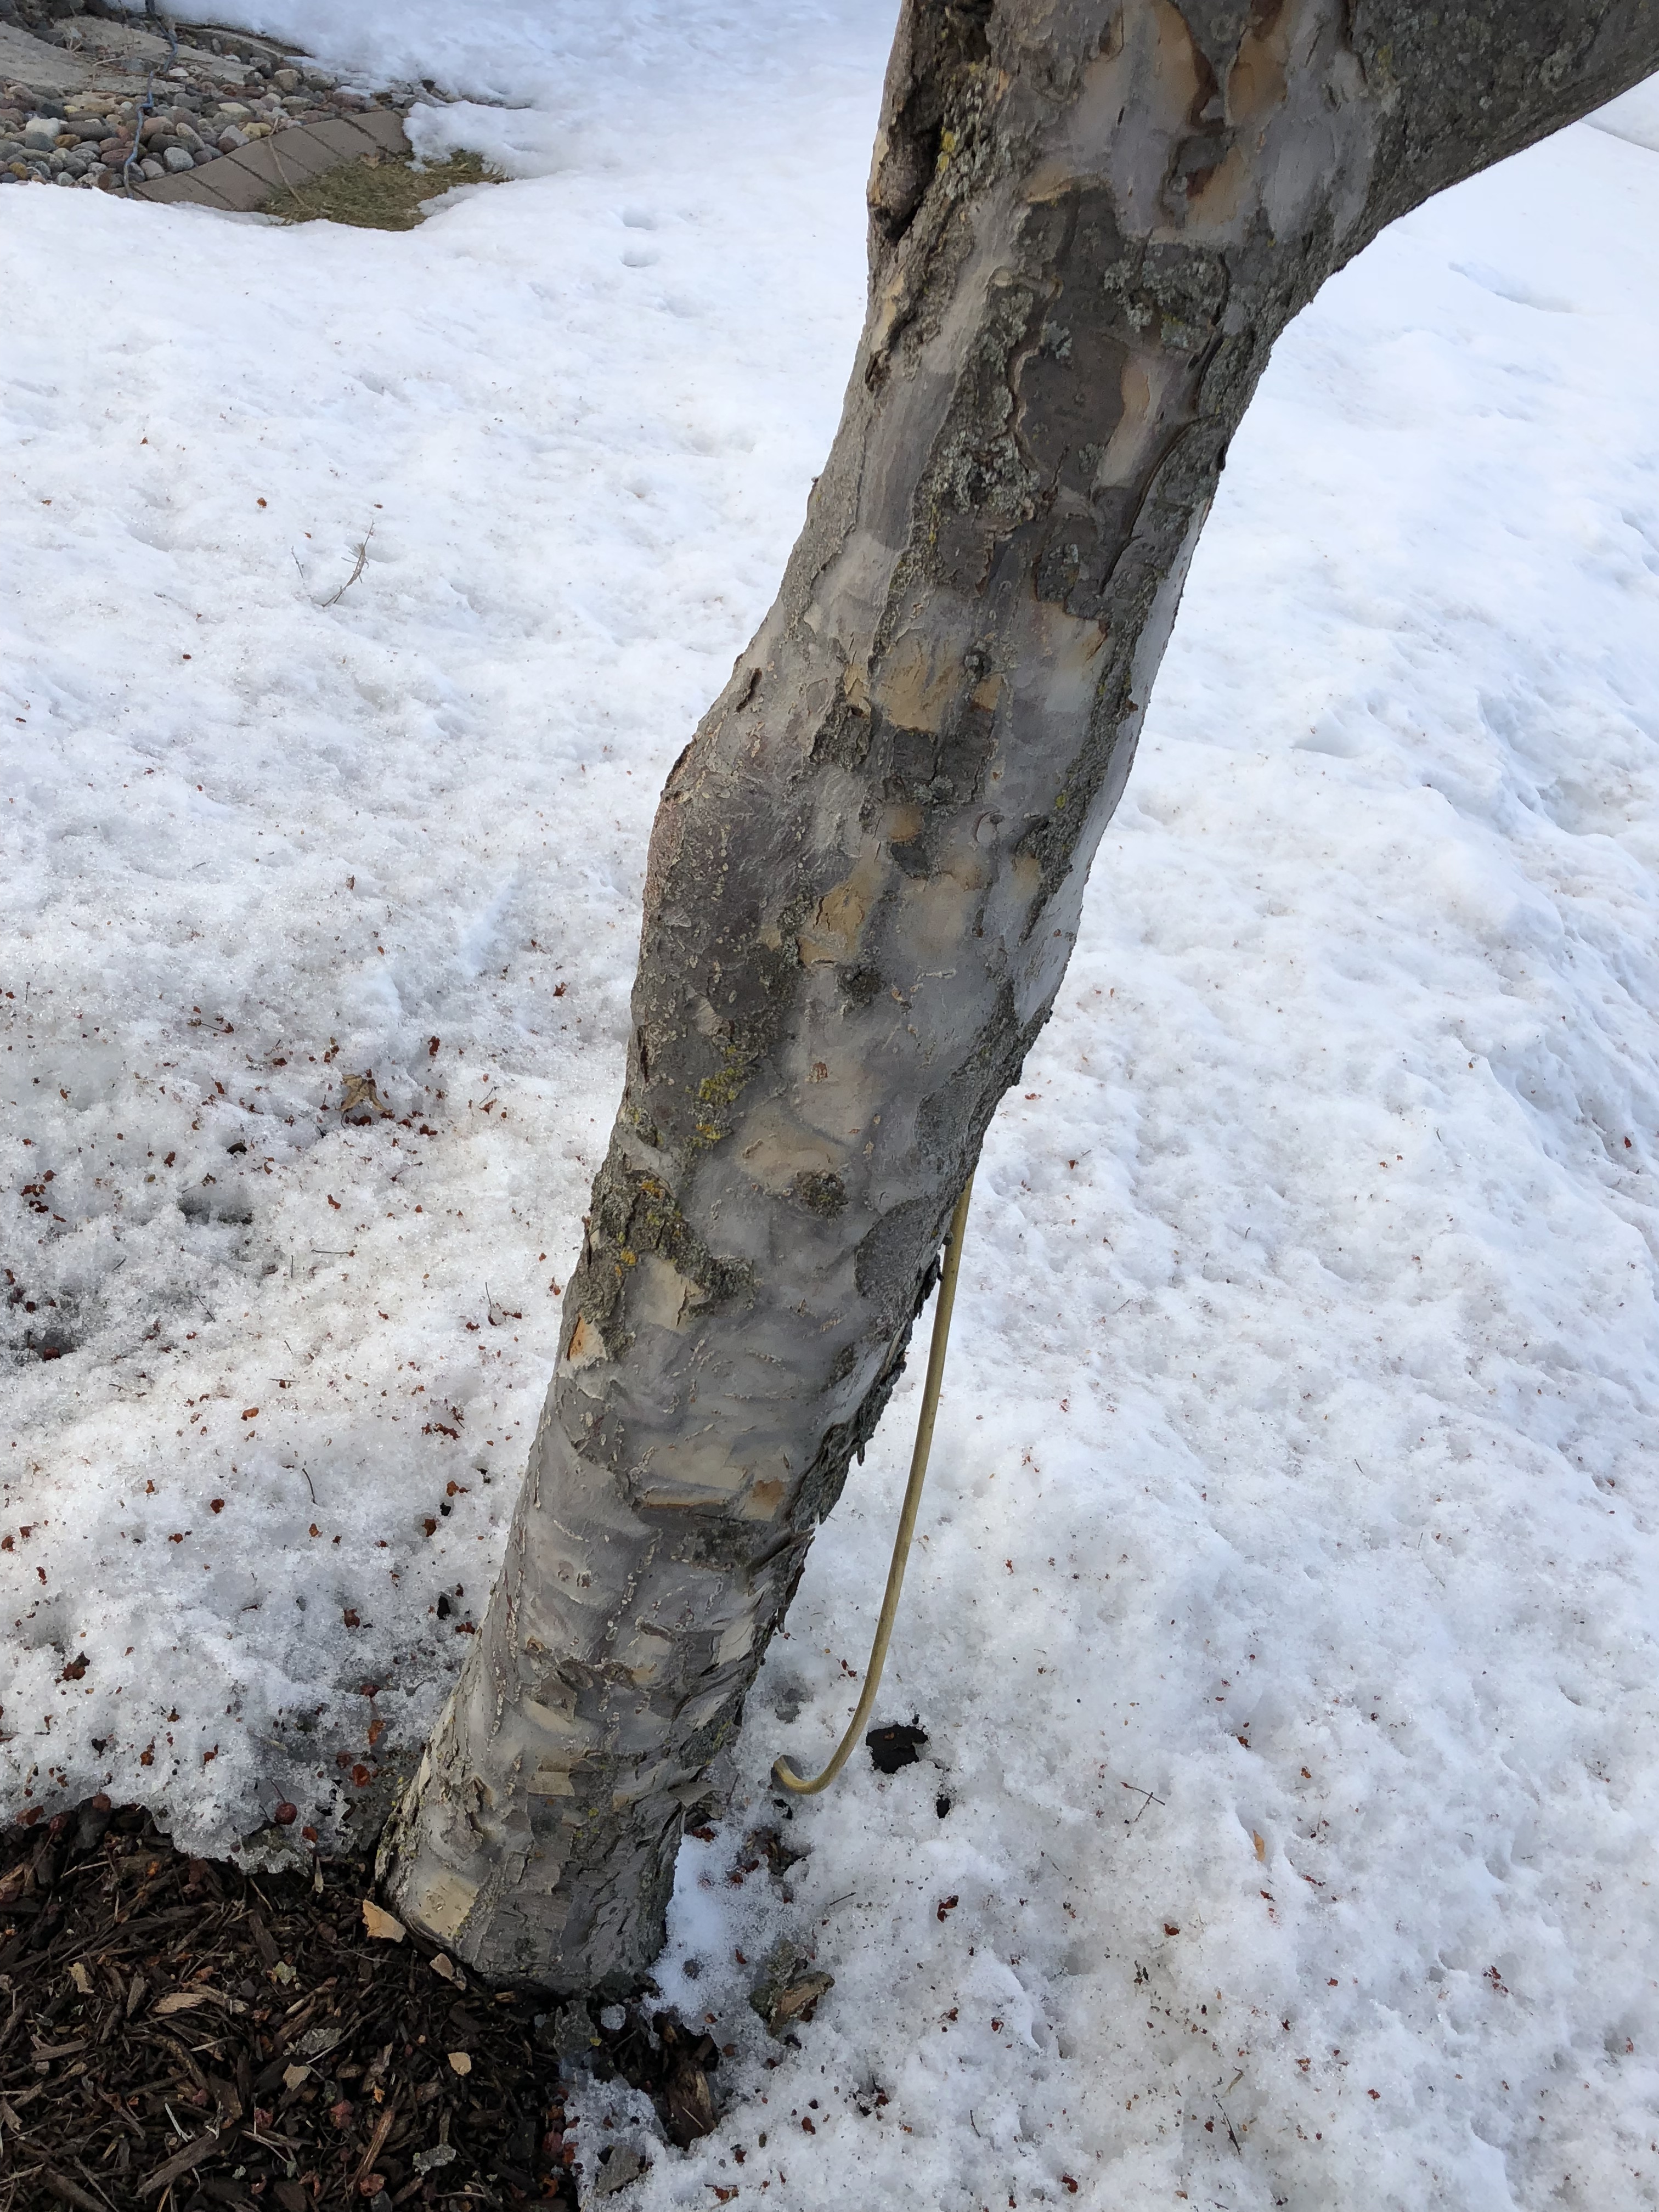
176, 2035
899, 1744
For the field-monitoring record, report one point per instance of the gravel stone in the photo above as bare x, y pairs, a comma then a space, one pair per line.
189, 115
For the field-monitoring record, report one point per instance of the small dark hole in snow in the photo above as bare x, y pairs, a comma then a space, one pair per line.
942, 1804
895, 1746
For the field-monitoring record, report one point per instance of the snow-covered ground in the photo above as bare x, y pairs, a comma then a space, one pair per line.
1284, 1618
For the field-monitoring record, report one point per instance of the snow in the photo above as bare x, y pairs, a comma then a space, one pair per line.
1283, 1616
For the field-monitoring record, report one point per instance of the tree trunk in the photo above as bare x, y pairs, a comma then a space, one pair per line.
1088, 223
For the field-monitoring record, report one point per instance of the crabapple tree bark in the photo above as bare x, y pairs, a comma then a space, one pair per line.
1089, 222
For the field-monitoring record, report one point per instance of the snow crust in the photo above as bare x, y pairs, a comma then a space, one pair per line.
1282, 1619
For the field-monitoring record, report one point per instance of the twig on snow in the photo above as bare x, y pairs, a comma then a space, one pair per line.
334, 598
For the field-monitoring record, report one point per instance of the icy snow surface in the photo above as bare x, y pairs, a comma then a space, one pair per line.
1282, 1619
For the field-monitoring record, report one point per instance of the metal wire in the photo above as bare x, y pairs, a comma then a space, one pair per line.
783, 1771
147, 106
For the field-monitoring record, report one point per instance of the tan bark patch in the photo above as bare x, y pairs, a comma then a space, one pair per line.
662, 1295
1151, 68
443, 1904
1176, 70
736, 1641
843, 910
640, 1786
700, 1710
1256, 81
1216, 207
694, 1475
549, 1719
779, 1149
1146, 386
935, 915
586, 1344
917, 682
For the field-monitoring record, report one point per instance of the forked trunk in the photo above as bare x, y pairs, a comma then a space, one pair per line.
1088, 223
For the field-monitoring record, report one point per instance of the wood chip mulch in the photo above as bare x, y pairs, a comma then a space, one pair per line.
176, 2035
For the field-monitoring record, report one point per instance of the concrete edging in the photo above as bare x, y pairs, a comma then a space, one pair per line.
244, 181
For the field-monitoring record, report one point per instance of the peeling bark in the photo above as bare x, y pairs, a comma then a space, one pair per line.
1088, 223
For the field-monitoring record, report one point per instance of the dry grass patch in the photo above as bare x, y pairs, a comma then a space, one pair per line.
383, 191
